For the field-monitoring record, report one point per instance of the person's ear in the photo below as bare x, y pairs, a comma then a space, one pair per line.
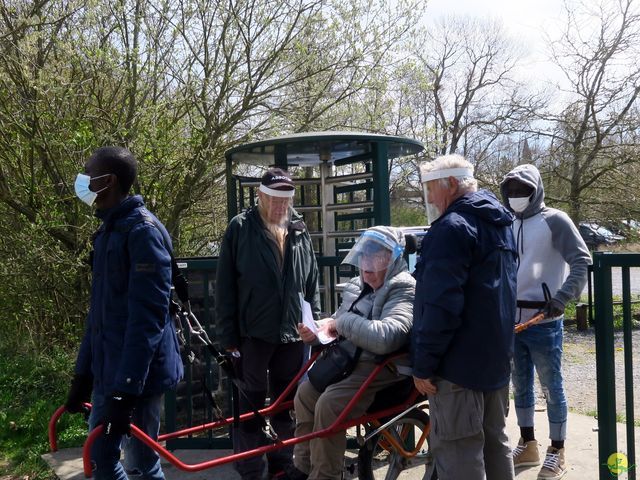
112, 180
453, 184
109, 183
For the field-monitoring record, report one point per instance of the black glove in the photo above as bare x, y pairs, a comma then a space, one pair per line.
553, 308
118, 410
79, 393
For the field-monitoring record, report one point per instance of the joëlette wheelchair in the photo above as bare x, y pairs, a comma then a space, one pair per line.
395, 439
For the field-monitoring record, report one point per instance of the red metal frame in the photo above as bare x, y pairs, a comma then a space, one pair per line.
53, 437
340, 424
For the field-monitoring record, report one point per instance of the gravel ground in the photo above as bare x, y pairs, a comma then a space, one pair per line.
579, 369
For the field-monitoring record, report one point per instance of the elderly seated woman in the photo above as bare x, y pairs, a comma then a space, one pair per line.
375, 315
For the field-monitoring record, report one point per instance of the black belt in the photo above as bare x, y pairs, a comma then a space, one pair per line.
533, 304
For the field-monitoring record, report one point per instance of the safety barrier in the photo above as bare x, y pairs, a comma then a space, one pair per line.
610, 460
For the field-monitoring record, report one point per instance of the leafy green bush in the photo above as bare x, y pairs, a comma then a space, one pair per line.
32, 385
407, 216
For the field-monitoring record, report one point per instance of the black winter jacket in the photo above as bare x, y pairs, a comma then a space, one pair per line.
253, 298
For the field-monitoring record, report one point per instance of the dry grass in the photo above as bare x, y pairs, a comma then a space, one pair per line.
621, 248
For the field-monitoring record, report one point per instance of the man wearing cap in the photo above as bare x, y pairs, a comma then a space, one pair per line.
266, 261
461, 345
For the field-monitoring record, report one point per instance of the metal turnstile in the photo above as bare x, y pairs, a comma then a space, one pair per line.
342, 188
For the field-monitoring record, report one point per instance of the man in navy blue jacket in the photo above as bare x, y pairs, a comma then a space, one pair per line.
462, 339
129, 355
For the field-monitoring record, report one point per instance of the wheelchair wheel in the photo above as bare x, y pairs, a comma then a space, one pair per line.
379, 459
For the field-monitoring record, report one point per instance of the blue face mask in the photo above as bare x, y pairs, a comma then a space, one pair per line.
83, 192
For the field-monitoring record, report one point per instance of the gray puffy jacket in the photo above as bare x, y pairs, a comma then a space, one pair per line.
391, 318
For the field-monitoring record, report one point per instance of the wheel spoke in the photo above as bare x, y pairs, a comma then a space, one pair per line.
388, 454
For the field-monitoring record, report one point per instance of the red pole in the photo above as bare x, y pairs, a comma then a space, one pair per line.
53, 439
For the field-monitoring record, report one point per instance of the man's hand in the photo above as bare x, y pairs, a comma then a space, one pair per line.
553, 308
424, 386
306, 334
79, 393
118, 410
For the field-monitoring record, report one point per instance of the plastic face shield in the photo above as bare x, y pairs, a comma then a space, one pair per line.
275, 205
373, 252
433, 212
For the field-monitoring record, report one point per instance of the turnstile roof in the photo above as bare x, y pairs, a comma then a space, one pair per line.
309, 149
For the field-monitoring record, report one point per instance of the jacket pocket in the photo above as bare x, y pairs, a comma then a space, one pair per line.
457, 412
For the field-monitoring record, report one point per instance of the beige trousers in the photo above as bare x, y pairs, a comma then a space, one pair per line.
322, 458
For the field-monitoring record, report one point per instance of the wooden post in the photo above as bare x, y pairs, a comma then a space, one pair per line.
581, 316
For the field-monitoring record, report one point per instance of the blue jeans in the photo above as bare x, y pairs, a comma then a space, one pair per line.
139, 460
540, 346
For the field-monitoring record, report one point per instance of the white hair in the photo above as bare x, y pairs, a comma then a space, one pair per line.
445, 162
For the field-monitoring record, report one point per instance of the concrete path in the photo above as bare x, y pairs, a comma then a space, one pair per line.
582, 454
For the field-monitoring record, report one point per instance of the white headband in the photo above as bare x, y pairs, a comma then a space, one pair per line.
277, 193
446, 173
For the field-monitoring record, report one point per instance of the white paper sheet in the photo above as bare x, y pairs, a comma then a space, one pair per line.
310, 323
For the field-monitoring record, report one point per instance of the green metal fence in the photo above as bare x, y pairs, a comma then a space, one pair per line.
188, 406
603, 262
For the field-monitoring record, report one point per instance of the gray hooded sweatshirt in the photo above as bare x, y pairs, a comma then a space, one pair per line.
391, 311
550, 249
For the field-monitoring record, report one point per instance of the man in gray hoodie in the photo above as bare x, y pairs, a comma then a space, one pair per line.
552, 254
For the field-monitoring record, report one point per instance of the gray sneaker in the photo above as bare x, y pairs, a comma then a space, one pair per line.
526, 454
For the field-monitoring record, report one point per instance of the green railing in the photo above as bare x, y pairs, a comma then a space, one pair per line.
188, 405
605, 361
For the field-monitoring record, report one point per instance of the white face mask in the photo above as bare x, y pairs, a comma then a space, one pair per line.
519, 204
83, 192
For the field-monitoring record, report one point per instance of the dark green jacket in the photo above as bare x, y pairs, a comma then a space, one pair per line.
253, 298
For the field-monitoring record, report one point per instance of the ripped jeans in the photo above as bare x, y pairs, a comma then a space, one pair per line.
540, 346
139, 460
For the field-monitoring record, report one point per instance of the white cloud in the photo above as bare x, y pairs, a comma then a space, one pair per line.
530, 22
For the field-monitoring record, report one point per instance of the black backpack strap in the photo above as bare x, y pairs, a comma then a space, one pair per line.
365, 290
